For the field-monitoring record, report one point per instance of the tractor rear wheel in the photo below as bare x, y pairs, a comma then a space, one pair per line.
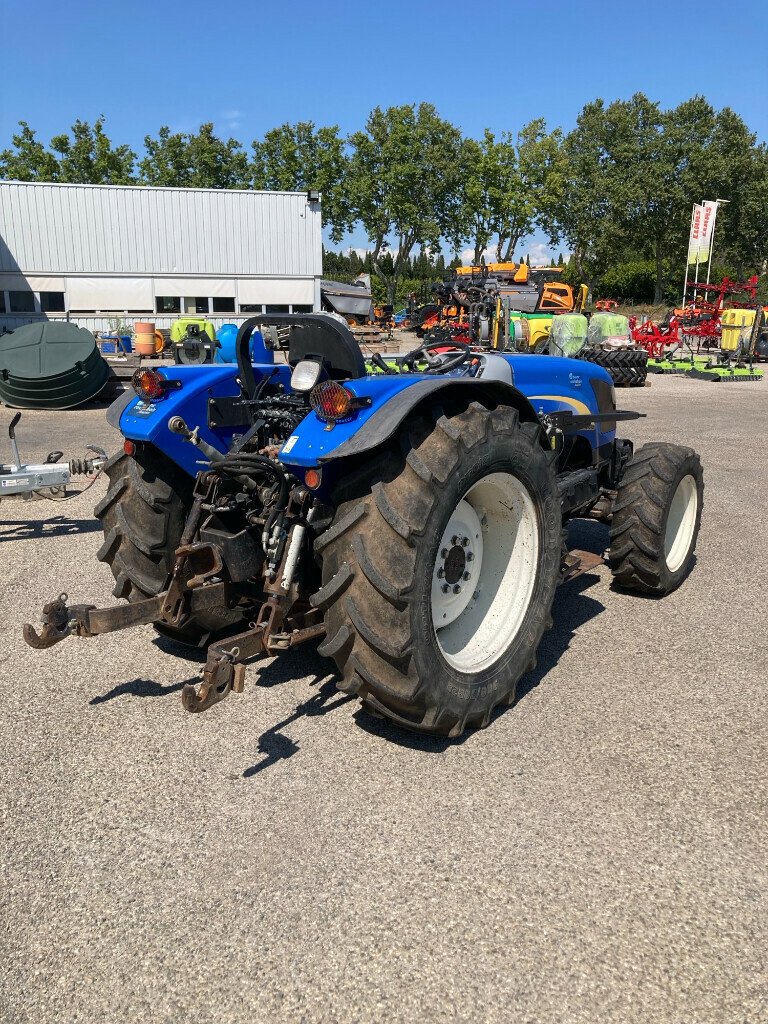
627, 366
438, 581
143, 516
656, 518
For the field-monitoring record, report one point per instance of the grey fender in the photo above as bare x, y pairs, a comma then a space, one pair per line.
379, 427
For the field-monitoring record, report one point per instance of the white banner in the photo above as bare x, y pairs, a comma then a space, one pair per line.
274, 291
112, 294
702, 229
189, 287
708, 218
694, 240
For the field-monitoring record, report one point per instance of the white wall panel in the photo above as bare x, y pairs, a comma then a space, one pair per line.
211, 287
277, 293
111, 229
19, 283
46, 284
110, 293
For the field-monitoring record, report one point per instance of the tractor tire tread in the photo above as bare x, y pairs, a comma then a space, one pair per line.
636, 554
372, 546
143, 515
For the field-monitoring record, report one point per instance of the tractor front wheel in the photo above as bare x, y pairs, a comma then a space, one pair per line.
656, 518
438, 582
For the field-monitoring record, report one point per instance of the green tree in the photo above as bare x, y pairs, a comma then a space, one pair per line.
404, 176
188, 160
295, 157
509, 186
634, 171
86, 155
28, 160
586, 218
738, 171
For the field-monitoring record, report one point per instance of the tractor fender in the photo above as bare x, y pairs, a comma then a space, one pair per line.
384, 422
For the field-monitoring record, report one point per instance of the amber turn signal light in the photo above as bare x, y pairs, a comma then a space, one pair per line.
149, 385
332, 402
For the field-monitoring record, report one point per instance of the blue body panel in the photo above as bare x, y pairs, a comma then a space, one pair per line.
149, 423
555, 384
551, 384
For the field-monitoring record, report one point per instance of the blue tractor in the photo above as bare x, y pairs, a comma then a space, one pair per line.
410, 515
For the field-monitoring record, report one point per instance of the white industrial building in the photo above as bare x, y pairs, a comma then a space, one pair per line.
98, 254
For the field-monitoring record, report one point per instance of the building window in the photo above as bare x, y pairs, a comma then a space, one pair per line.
275, 309
251, 308
167, 304
224, 304
21, 302
52, 302
301, 309
197, 306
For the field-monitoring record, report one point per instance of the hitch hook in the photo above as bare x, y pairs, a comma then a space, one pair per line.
222, 676
58, 623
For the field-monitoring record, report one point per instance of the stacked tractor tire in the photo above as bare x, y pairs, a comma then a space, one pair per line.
628, 367
609, 344
605, 340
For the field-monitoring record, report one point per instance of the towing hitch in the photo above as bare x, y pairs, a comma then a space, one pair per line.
61, 620
224, 671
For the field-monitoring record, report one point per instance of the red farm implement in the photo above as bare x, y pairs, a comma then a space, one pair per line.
699, 319
655, 337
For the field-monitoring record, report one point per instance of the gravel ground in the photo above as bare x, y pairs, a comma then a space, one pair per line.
597, 854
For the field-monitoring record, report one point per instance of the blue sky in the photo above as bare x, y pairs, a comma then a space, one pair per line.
251, 66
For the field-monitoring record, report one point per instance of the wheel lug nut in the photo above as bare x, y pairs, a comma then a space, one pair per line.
444, 553
454, 539
465, 576
445, 588
456, 588
470, 556
464, 541
440, 573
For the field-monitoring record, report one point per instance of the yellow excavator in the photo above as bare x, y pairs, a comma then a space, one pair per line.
526, 289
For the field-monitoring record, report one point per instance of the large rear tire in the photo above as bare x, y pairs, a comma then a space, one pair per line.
656, 518
143, 516
438, 582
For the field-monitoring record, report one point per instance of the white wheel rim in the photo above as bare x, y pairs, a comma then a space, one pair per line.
681, 523
485, 572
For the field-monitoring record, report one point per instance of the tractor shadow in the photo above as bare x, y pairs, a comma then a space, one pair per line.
275, 746
301, 663
55, 526
141, 688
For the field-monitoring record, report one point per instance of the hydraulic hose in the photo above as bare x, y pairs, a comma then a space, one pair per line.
244, 463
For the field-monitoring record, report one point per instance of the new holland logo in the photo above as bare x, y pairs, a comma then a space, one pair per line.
575, 379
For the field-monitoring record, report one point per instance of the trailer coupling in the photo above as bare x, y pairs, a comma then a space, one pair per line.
224, 671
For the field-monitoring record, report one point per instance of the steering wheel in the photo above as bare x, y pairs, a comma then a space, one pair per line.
459, 352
